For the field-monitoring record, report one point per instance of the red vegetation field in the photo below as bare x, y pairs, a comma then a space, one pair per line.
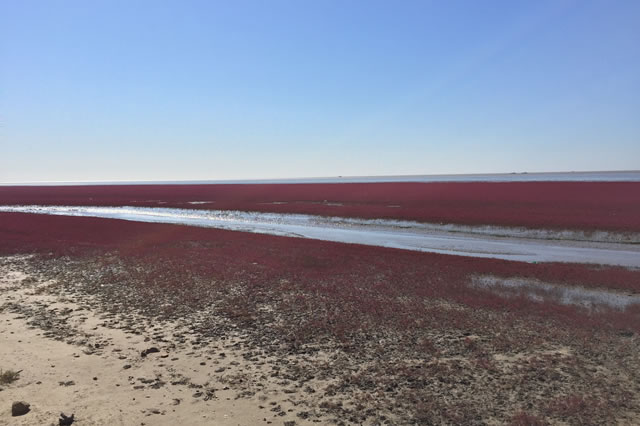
405, 333
571, 205
362, 275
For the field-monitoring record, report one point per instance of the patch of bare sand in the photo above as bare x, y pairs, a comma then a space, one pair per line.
97, 371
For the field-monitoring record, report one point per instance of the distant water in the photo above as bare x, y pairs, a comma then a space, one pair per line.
384, 233
618, 176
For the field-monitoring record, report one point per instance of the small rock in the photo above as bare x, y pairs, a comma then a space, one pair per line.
20, 408
66, 421
126, 366
151, 350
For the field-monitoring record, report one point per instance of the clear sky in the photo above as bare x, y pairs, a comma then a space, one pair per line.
163, 90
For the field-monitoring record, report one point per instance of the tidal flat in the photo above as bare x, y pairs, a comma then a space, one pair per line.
258, 329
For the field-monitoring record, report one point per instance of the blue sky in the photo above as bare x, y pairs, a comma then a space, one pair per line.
160, 90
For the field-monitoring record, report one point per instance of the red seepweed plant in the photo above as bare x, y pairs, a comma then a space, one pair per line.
613, 206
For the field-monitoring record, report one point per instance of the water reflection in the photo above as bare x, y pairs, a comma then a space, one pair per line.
541, 291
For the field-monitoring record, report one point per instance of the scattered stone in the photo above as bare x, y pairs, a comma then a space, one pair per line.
20, 408
126, 366
67, 383
66, 421
151, 350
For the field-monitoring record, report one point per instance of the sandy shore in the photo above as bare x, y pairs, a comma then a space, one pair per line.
74, 361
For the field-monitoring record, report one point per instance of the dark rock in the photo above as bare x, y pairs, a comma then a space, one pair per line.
151, 350
126, 366
66, 421
20, 408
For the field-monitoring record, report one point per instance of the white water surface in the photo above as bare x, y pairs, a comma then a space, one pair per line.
447, 239
540, 291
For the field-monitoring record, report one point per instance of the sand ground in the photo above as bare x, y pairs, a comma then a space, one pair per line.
95, 370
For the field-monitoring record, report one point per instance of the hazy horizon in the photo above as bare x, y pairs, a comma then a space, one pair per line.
192, 91
574, 175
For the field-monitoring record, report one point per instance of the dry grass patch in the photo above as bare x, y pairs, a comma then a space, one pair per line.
8, 376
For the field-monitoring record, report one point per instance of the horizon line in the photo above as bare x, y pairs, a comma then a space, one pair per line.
370, 178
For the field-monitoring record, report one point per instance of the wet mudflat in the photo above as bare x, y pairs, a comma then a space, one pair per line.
567, 295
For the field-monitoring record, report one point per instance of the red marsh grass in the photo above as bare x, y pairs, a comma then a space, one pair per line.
409, 340
608, 206
361, 279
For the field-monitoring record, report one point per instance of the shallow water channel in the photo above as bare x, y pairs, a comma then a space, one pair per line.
541, 291
386, 233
